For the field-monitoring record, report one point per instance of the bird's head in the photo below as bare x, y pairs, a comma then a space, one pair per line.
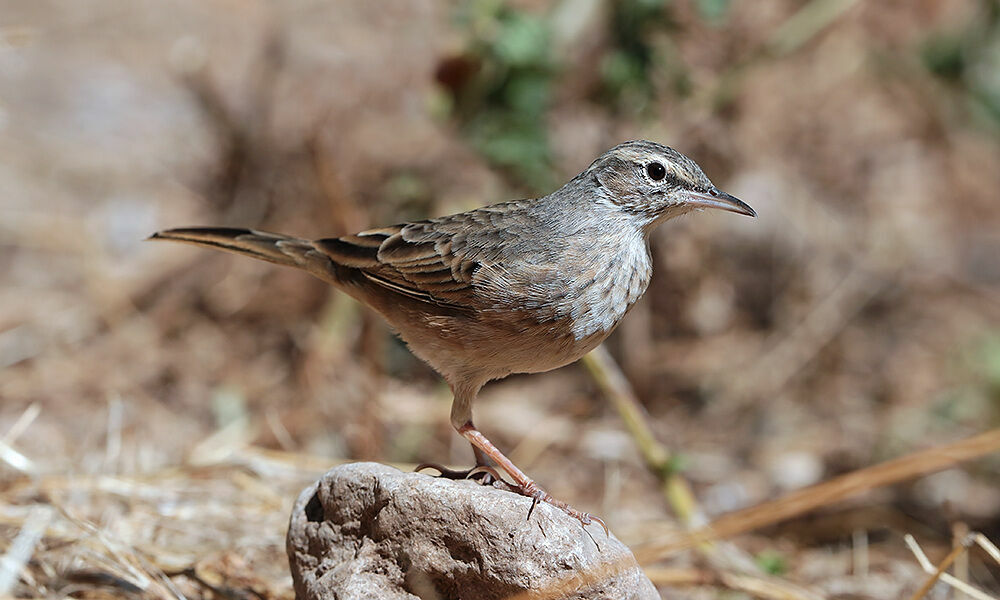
655, 182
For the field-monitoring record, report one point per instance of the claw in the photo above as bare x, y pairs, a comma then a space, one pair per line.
538, 496
531, 490
488, 473
604, 525
443, 471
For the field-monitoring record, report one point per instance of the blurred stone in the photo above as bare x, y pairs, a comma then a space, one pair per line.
608, 444
795, 469
710, 309
725, 497
959, 492
366, 530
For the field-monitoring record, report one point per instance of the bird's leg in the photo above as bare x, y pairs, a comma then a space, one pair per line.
461, 409
522, 483
461, 418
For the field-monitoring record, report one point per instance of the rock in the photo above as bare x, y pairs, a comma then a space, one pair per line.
366, 530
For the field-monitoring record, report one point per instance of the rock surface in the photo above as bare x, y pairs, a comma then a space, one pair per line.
366, 530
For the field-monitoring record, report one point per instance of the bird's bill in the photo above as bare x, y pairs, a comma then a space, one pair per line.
718, 199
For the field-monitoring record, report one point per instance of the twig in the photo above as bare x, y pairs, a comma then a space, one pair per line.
23, 547
113, 443
859, 552
805, 24
658, 458
15, 459
938, 572
988, 546
959, 532
612, 381
23, 422
813, 497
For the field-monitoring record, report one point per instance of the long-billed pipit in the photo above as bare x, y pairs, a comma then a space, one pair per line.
517, 287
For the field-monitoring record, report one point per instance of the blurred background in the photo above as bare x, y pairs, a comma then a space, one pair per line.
177, 399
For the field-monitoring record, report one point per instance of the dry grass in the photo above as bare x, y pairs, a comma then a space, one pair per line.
788, 507
176, 530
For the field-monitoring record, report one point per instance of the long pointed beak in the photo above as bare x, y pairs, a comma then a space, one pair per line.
716, 198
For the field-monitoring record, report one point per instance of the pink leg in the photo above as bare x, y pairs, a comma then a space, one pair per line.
523, 484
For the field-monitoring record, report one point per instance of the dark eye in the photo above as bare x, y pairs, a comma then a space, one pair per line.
656, 171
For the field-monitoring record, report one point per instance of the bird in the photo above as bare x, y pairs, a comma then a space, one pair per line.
524, 286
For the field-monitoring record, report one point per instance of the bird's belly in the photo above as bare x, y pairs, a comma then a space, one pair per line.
496, 345
525, 333
554, 352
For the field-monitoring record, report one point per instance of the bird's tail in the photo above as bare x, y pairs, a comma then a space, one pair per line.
272, 247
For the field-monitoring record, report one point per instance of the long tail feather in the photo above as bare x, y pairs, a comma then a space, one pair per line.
272, 247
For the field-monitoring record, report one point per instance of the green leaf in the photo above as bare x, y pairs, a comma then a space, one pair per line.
943, 56
523, 41
714, 11
771, 562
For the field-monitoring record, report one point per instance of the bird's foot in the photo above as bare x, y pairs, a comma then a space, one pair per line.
523, 484
485, 474
537, 494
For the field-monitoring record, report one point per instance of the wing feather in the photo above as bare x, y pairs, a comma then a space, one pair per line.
414, 260
436, 260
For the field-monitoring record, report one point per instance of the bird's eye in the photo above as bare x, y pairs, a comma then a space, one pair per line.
656, 171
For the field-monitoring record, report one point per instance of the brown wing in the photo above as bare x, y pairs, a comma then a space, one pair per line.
434, 261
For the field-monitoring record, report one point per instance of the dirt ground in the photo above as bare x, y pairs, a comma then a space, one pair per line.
161, 406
